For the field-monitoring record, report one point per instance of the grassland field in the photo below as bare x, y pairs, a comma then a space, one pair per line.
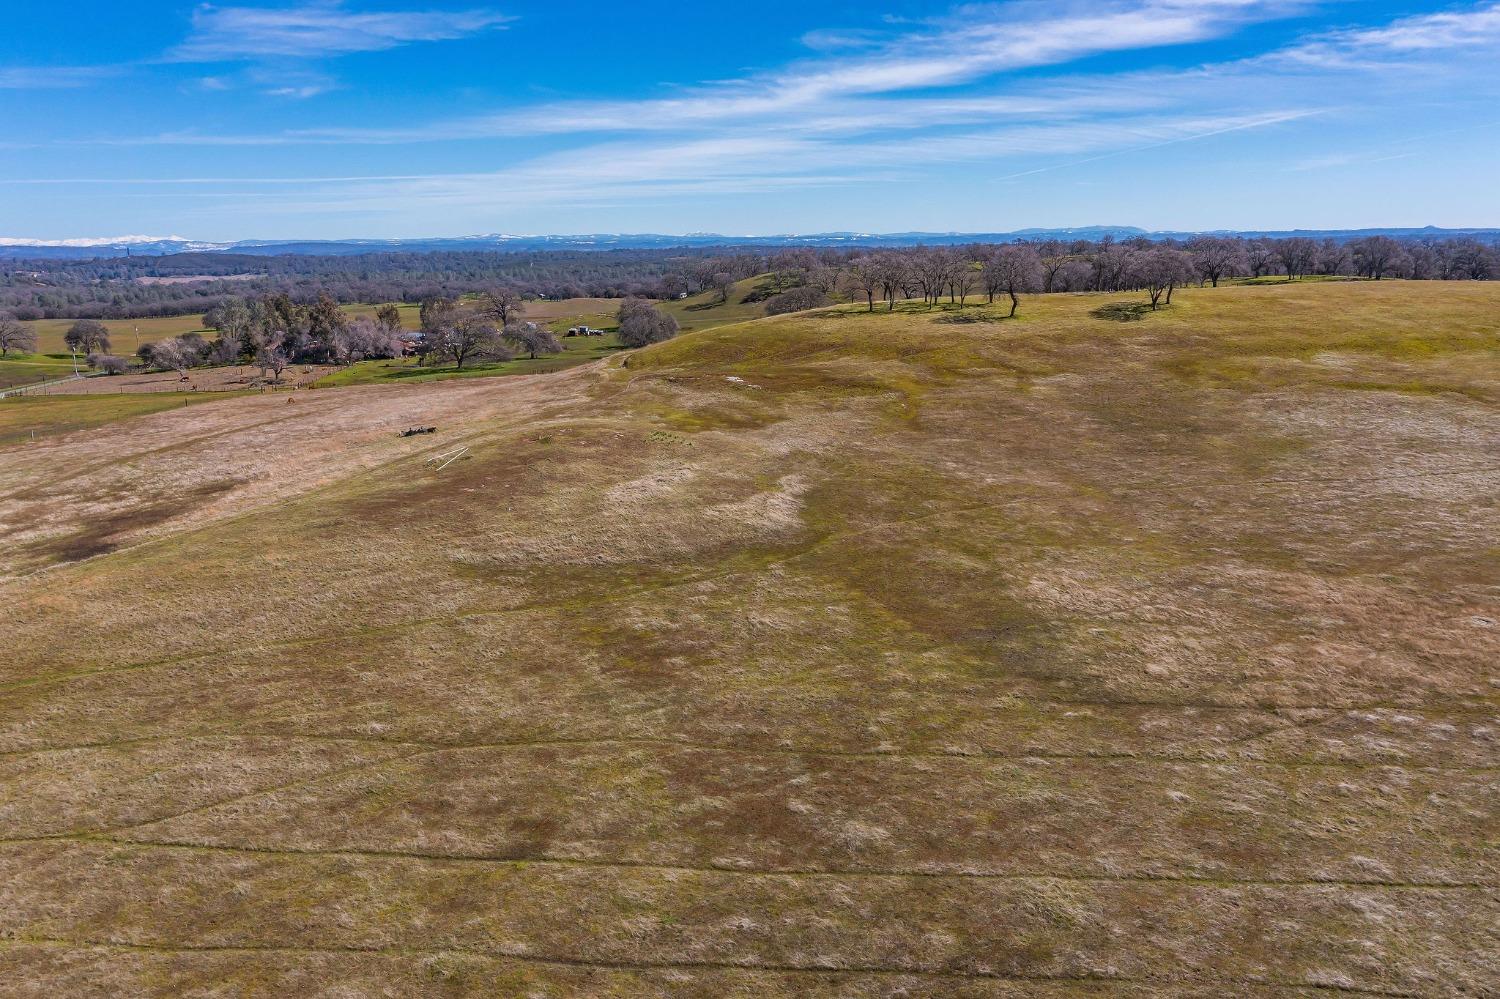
25, 369
833, 655
576, 351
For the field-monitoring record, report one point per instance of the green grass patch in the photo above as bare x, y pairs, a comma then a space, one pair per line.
705, 311
26, 418
28, 369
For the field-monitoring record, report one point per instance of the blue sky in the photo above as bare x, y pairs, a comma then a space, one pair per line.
389, 118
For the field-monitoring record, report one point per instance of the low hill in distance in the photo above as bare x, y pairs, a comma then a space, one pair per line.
83, 249
832, 654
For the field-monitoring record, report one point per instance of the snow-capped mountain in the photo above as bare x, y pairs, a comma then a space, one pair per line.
151, 246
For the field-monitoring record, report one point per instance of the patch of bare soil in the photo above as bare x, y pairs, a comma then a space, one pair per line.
94, 491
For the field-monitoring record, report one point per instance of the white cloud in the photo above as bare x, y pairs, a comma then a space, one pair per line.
1448, 33
631, 172
975, 43
1449, 30
318, 29
51, 77
880, 107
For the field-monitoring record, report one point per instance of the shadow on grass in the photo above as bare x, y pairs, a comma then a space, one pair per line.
1123, 312
965, 318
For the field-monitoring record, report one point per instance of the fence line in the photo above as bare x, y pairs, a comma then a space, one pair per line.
41, 387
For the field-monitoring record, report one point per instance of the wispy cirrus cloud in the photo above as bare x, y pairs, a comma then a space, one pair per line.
319, 29
1474, 29
863, 85
968, 45
280, 45
625, 171
990, 86
1433, 32
52, 77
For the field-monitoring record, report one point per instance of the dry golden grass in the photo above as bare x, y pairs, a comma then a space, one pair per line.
833, 655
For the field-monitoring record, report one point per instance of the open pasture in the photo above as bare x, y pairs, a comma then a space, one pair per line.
228, 378
28, 369
125, 335
827, 655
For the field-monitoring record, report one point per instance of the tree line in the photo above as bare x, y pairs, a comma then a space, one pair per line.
803, 279
275, 332
122, 288
279, 329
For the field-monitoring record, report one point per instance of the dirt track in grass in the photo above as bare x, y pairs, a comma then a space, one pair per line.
826, 655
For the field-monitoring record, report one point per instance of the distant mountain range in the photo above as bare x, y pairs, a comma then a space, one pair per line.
156, 246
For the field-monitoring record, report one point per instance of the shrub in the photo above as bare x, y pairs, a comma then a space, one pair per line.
796, 300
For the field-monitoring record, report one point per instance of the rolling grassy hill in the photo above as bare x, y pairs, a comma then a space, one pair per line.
705, 311
829, 655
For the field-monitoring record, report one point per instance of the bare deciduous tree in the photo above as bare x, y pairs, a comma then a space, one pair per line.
87, 336
504, 305
466, 338
895, 272
1376, 256
642, 324
1296, 255
1012, 270
723, 284
174, 354
389, 316
825, 279
1215, 258
963, 278
270, 352
1261, 255
931, 271
532, 339
1052, 265
863, 276
1112, 266
15, 336
1159, 271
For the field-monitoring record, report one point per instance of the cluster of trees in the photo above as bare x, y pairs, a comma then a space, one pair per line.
954, 272
489, 328
806, 279
275, 332
1374, 257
